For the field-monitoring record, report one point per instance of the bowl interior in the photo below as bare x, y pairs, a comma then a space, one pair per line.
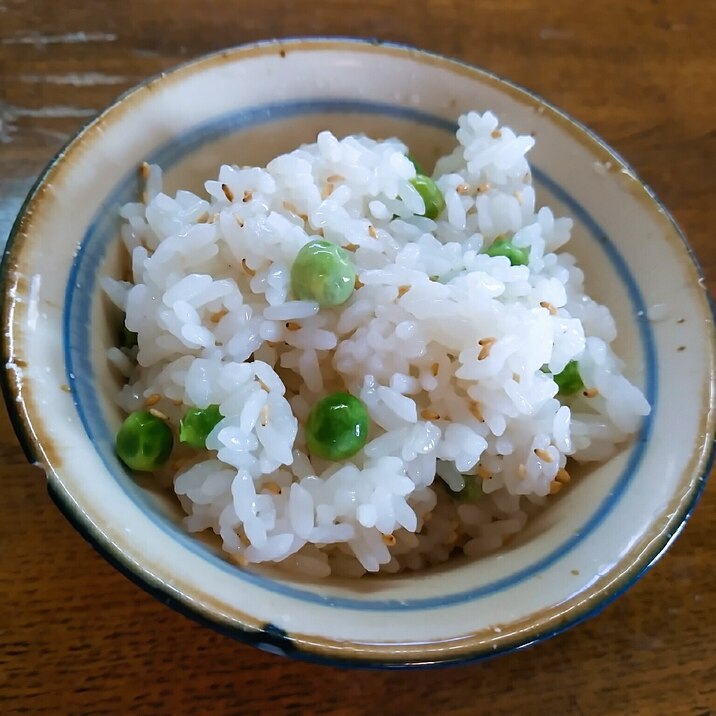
245, 107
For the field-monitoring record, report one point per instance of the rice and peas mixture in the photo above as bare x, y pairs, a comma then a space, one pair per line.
346, 366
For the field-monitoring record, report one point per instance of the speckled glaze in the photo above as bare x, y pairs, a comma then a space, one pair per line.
244, 106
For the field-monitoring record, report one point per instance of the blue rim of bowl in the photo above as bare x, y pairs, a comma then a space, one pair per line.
273, 637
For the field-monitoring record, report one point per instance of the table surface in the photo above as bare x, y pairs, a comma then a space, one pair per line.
76, 637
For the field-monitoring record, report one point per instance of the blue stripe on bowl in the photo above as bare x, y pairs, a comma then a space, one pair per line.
77, 348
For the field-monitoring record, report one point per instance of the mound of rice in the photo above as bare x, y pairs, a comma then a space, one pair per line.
444, 344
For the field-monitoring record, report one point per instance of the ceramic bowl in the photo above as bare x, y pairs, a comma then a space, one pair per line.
244, 106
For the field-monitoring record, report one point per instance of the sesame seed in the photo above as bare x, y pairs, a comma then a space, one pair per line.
463, 189
550, 307
496, 133
475, 410
554, 487
203, 218
216, 317
227, 192
153, 399
334, 178
293, 326
389, 540
486, 346
64, 387
402, 290
248, 195
435, 369
144, 170
262, 384
483, 472
590, 393
562, 476
544, 455
273, 487
351, 247
158, 414
482, 188
428, 414
246, 268
358, 283
372, 232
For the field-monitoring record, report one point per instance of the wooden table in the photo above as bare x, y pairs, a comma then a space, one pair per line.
78, 638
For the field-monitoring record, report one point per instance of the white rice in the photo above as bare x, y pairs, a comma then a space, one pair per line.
210, 289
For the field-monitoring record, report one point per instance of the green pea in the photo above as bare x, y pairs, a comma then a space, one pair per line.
196, 425
471, 492
569, 380
414, 162
337, 426
323, 272
144, 441
432, 196
503, 246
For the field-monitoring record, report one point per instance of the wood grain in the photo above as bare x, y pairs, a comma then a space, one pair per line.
77, 638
